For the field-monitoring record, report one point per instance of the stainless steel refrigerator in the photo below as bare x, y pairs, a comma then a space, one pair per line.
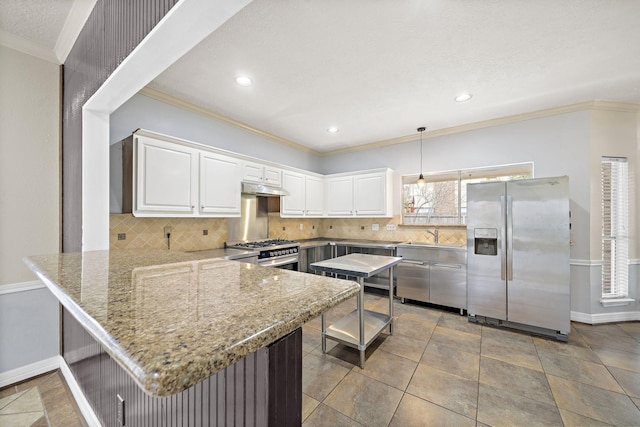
518, 254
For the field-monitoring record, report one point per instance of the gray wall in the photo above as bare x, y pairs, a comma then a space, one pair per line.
150, 114
557, 145
28, 328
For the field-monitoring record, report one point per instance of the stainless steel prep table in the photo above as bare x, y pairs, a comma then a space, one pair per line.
360, 327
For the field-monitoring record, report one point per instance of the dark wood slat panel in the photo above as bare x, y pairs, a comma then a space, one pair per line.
236, 395
114, 28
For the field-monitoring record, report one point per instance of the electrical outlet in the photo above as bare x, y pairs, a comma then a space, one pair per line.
391, 227
205, 232
301, 226
167, 231
375, 227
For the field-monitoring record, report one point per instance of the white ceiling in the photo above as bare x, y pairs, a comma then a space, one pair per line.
379, 69
40, 21
43, 28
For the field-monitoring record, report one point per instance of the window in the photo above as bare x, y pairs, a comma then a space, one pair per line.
443, 200
615, 222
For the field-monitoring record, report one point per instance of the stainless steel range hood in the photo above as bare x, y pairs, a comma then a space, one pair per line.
263, 190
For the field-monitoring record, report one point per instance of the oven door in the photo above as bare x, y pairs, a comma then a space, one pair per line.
286, 262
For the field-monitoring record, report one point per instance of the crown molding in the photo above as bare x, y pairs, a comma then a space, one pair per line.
589, 105
78, 15
172, 100
28, 47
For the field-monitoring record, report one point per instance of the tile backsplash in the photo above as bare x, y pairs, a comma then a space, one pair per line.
188, 233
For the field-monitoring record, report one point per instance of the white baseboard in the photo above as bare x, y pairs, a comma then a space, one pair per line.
593, 319
82, 402
29, 371
47, 365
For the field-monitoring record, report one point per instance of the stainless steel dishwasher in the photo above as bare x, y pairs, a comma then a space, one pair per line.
435, 274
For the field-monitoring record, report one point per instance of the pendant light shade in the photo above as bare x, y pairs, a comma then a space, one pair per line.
421, 182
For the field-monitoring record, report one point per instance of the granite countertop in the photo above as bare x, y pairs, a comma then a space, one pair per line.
172, 319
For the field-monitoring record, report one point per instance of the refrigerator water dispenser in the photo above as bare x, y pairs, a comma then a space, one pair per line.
485, 241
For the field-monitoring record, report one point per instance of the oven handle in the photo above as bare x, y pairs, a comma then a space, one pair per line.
279, 261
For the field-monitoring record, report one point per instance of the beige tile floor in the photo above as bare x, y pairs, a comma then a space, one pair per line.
436, 370
439, 369
44, 401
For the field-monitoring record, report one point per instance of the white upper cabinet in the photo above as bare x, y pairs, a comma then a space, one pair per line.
366, 194
258, 172
166, 178
339, 196
293, 205
314, 196
305, 195
219, 185
372, 194
161, 176
178, 180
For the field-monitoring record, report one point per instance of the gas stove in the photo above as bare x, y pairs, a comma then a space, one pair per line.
273, 252
267, 244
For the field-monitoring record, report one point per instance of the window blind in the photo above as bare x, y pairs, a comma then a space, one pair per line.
615, 222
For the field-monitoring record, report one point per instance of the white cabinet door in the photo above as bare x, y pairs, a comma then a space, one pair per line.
219, 185
339, 197
370, 196
294, 203
252, 172
273, 176
257, 172
314, 196
166, 178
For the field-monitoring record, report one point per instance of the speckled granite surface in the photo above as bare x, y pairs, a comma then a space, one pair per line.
172, 319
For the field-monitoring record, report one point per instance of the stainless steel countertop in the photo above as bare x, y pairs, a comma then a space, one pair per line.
358, 265
380, 244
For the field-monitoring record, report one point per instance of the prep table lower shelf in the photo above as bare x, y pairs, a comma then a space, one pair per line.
360, 327
347, 329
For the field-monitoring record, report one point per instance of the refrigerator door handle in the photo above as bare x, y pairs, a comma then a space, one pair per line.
503, 247
509, 241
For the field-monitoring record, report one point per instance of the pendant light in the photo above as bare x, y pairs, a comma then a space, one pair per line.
421, 182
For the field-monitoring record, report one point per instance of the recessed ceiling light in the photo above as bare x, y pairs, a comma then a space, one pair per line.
333, 129
463, 97
244, 81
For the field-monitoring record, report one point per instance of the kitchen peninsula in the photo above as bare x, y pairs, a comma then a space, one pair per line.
159, 337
